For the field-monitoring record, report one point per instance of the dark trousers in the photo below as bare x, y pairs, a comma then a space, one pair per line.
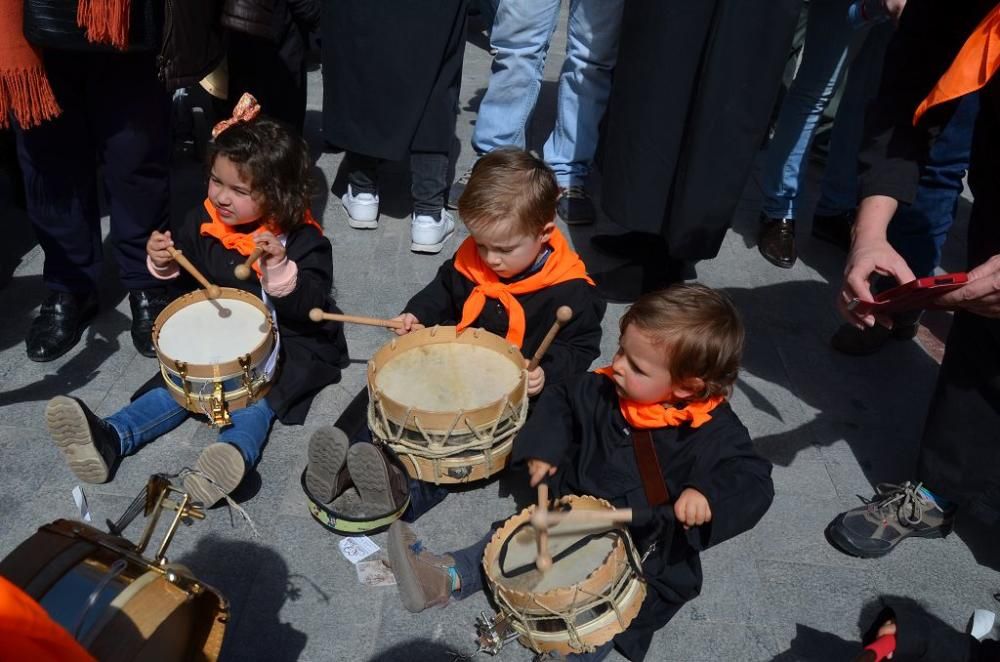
428, 179
115, 117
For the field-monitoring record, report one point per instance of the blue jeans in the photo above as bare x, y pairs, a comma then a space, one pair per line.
521, 34
828, 34
469, 567
156, 413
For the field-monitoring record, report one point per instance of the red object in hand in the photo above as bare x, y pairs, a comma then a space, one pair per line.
915, 295
882, 646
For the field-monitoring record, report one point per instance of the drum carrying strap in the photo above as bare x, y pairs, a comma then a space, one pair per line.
649, 468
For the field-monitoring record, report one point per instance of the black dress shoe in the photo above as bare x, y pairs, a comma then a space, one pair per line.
631, 245
90, 446
834, 229
59, 325
146, 305
628, 282
776, 241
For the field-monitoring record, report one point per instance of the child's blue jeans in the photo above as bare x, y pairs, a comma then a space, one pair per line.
156, 413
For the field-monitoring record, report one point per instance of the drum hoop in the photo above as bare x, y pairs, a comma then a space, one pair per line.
214, 370
617, 556
446, 420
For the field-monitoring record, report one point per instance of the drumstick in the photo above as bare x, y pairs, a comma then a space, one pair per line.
242, 271
542, 519
317, 315
563, 315
543, 561
213, 290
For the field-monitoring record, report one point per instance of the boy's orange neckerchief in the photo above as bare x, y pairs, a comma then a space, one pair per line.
242, 242
648, 417
562, 265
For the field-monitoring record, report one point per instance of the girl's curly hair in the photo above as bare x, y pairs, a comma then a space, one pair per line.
276, 162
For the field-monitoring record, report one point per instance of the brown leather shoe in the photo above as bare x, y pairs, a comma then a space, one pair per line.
776, 241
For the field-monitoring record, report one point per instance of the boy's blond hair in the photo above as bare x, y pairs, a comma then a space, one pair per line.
510, 184
700, 329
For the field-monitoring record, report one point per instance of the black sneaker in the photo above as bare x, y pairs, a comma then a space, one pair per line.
146, 305
575, 206
776, 241
895, 513
91, 446
59, 325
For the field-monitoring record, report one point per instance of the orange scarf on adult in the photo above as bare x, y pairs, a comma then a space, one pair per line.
562, 265
24, 90
648, 417
29, 633
242, 242
971, 69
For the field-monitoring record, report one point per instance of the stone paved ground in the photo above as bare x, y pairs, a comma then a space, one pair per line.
832, 425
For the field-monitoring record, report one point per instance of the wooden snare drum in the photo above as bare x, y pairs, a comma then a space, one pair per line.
591, 593
216, 355
118, 605
448, 403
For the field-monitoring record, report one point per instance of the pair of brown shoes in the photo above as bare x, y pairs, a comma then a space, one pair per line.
357, 480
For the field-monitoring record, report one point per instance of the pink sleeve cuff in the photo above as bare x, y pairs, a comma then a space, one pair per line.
168, 272
280, 279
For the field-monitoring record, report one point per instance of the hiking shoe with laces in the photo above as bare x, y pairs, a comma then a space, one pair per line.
362, 209
575, 206
458, 188
422, 578
218, 472
895, 513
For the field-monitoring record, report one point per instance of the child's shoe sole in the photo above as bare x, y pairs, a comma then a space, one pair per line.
327, 454
70, 431
370, 474
219, 470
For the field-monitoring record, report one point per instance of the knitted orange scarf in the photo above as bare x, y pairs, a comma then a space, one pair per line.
24, 90
648, 417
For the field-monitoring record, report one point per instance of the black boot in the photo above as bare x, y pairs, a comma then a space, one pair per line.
146, 306
91, 447
59, 324
776, 241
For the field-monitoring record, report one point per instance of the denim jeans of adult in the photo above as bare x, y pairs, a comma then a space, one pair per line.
155, 413
828, 36
428, 179
521, 35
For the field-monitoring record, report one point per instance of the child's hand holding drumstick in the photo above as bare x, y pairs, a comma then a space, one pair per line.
156, 249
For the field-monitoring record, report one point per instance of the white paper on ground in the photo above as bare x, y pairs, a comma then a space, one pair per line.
81, 503
375, 573
355, 549
982, 623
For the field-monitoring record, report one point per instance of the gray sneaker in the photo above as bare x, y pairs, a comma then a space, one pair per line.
218, 471
421, 577
895, 513
458, 188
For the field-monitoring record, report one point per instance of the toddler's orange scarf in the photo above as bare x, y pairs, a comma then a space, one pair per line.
242, 242
972, 68
648, 417
562, 265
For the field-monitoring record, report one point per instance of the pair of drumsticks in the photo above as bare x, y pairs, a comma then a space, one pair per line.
543, 518
242, 271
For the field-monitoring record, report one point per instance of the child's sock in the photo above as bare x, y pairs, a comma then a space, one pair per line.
942, 503
453, 578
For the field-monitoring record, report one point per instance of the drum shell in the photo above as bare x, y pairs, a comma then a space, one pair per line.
162, 613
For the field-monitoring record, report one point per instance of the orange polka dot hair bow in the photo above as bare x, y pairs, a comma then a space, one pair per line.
245, 110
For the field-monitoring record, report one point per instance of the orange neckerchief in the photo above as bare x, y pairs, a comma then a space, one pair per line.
648, 417
243, 242
972, 68
562, 265
29, 633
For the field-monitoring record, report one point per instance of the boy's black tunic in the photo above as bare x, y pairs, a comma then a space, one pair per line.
312, 354
578, 427
577, 344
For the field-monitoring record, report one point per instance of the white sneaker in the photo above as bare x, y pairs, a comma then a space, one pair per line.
362, 209
428, 235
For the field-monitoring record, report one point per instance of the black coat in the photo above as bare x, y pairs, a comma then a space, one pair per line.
312, 354
392, 72
578, 428
694, 87
574, 348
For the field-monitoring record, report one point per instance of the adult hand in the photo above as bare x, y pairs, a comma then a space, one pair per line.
981, 295
894, 8
156, 248
869, 257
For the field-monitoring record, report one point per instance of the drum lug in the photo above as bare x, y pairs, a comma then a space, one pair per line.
251, 388
182, 371
217, 407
